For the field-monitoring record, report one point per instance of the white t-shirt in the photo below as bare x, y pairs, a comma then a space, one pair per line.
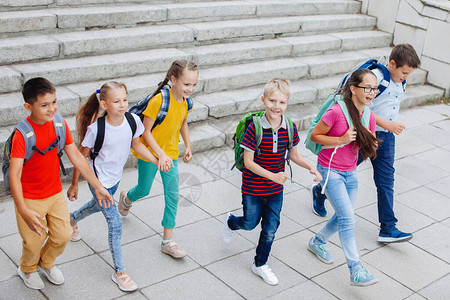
115, 150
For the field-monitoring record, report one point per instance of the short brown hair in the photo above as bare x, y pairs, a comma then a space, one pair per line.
404, 54
35, 87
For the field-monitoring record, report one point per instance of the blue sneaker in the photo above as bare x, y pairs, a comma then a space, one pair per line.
362, 277
318, 203
395, 236
320, 251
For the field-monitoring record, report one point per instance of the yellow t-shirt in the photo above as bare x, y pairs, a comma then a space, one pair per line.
166, 134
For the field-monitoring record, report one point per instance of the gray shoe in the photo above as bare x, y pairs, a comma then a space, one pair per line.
31, 280
123, 209
54, 275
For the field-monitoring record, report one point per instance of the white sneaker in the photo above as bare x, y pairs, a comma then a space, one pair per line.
265, 272
31, 280
54, 275
227, 233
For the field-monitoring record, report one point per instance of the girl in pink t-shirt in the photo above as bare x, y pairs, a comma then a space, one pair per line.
341, 188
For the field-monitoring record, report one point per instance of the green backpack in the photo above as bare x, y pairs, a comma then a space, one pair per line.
239, 135
328, 103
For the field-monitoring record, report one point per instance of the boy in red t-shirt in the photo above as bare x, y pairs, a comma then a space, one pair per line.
41, 209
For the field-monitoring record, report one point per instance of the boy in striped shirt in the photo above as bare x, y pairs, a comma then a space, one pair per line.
263, 175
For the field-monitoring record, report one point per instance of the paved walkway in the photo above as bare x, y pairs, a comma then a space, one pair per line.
418, 269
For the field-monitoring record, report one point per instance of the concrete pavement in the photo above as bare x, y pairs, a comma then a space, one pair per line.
418, 269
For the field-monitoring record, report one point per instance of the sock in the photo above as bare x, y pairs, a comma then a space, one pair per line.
125, 202
166, 241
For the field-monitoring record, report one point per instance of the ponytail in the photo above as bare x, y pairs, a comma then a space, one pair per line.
176, 70
365, 140
90, 111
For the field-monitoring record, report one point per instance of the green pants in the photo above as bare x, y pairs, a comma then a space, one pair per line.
146, 175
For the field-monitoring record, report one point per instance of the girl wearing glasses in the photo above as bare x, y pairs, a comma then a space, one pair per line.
332, 130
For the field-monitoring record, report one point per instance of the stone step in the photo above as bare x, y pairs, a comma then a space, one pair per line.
211, 101
79, 43
66, 71
8, 5
23, 21
23, 49
134, 14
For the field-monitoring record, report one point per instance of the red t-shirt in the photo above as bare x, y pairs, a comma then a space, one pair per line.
40, 174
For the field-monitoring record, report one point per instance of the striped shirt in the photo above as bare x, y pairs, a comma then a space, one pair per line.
273, 149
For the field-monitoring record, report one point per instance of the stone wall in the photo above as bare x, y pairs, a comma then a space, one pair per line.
425, 24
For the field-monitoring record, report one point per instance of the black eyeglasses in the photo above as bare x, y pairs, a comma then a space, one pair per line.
368, 89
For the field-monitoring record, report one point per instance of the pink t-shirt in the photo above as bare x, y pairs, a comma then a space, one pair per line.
346, 157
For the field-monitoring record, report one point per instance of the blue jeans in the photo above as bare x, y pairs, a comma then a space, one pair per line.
341, 191
255, 208
383, 175
114, 225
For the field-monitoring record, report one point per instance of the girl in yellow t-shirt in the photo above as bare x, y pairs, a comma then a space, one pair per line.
162, 141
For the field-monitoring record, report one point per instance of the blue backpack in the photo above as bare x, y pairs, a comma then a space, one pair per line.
139, 108
29, 137
371, 64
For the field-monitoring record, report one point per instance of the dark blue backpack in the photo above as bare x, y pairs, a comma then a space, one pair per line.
371, 64
139, 108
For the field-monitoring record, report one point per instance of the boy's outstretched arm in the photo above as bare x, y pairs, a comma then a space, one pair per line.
30, 217
143, 151
250, 164
72, 191
80, 163
302, 162
184, 130
392, 126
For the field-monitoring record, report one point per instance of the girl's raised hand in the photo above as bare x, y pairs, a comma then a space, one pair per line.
72, 192
187, 155
349, 136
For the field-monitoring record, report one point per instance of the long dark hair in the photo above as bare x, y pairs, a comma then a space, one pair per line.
176, 70
365, 140
90, 110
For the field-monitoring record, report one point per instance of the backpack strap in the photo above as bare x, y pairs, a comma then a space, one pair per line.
190, 104
365, 119
384, 83
290, 130
60, 129
27, 131
132, 123
346, 113
258, 133
164, 107
98, 141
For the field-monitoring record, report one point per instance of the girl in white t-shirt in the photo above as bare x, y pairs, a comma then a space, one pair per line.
108, 165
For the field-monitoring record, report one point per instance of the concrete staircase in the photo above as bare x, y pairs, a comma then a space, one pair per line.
238, 45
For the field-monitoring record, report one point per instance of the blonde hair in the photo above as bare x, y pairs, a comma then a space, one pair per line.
89, 112
279, 84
